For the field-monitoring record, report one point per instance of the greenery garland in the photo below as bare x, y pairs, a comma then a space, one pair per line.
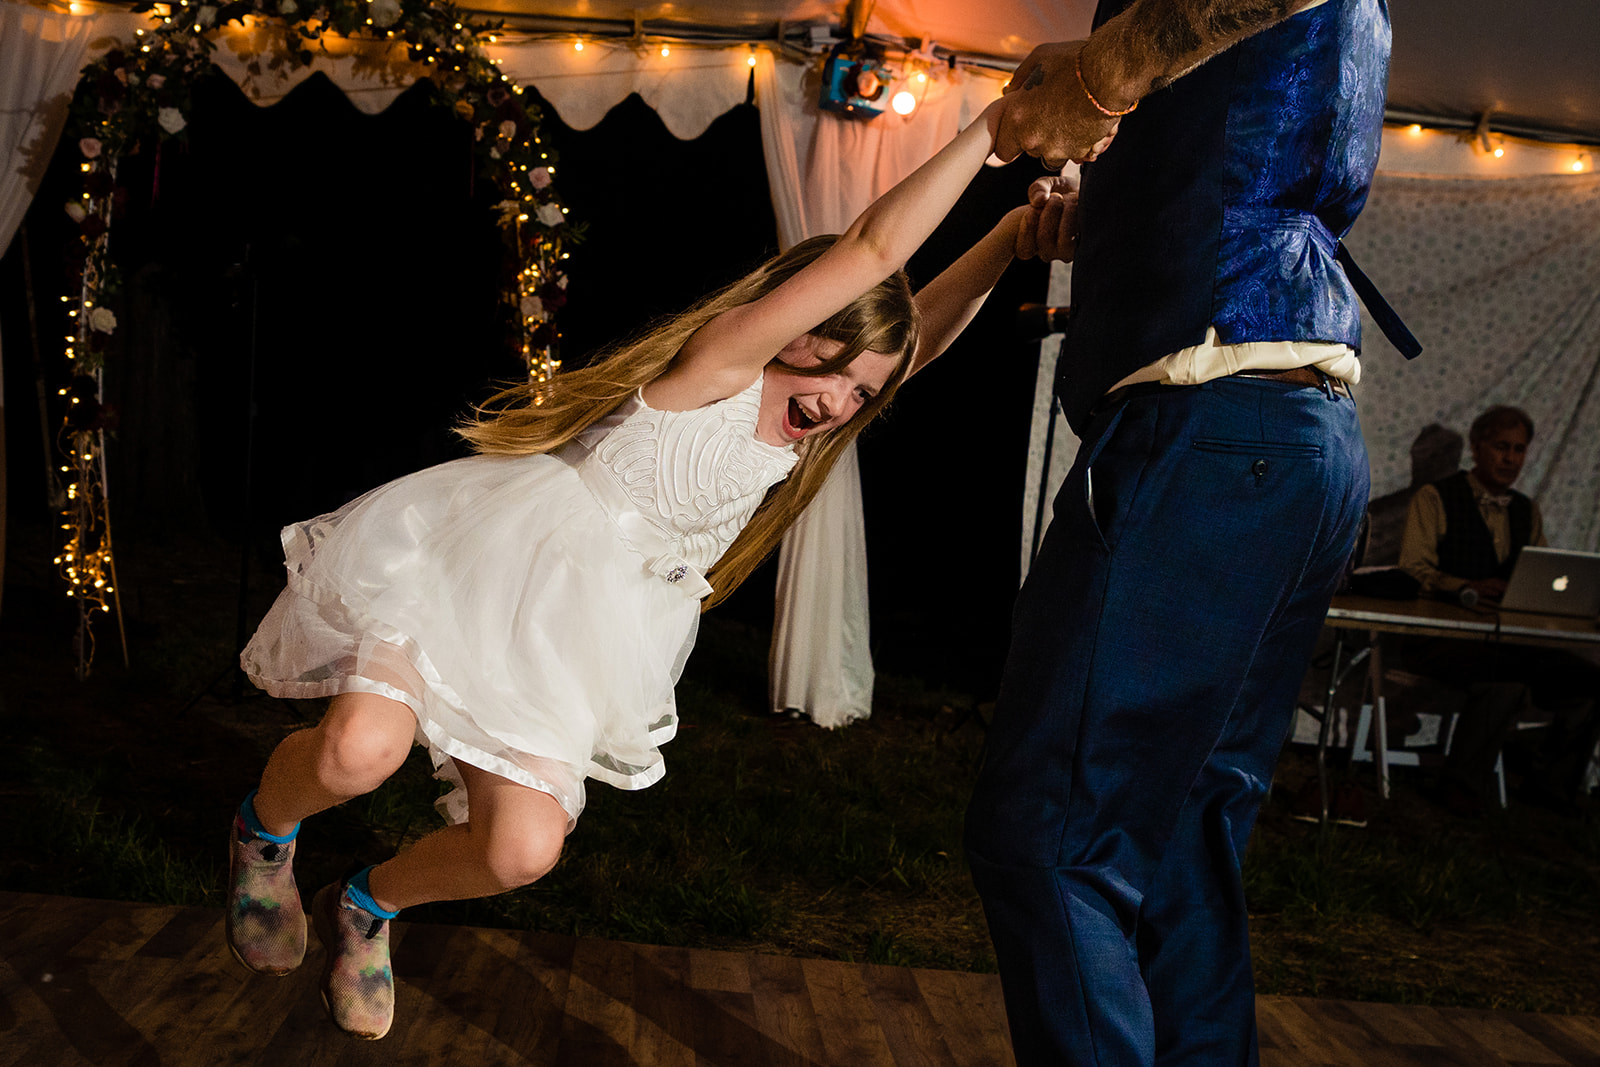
143, 92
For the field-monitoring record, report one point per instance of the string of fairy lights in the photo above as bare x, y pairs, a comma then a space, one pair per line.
141, 92
1492, 147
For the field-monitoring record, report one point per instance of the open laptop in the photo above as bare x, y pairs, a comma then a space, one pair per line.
1554, 581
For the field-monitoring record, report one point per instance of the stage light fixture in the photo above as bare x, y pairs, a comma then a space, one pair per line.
855, 80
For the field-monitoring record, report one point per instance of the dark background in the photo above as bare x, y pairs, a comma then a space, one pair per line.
349, 266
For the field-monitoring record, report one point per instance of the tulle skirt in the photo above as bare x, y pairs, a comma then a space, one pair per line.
498, 600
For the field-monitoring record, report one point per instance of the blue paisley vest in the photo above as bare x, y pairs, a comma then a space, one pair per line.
1222, 200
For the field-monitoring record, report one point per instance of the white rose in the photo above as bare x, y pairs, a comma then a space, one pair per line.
156, 81
551, 214
288, 7
103, 320
75, 211
539, 177
508, 129
562, 281
171, 119
532, 307
205, 16
385, 12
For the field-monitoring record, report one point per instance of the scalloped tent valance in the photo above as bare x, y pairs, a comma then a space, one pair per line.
689, 92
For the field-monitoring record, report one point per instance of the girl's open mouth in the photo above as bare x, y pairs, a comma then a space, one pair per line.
798, 422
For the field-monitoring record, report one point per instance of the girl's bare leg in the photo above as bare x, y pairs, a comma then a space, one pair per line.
360, 742
513, 837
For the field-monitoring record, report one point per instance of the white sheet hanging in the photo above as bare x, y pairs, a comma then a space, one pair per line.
823, 170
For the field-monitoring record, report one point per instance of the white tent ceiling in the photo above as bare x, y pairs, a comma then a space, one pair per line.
1535, 64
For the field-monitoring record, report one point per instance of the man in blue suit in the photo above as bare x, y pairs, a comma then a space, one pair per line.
1160, 639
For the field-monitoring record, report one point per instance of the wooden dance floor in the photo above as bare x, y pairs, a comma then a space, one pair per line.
104, 983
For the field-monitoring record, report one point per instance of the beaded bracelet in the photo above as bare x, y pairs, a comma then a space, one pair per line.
1107, 112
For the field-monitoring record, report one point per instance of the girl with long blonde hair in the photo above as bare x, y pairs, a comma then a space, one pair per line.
525, 613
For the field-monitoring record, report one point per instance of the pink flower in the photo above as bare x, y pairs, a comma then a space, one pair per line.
539, 177
156, 81
90, 147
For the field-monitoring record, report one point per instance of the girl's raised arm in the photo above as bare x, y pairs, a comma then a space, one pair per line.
727, 353
1047, 226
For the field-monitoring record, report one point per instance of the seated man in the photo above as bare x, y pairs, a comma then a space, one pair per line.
1464, 532
1462, 537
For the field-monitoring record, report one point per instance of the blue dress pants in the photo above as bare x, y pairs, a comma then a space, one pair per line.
1157, 651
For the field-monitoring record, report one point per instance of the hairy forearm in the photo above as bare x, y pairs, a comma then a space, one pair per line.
1155, 42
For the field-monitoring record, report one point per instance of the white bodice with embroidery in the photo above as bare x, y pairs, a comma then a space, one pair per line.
696, 476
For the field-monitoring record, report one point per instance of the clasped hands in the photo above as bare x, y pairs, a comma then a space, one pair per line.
1047, 111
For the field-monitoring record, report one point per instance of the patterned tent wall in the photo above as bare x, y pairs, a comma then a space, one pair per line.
1500, 280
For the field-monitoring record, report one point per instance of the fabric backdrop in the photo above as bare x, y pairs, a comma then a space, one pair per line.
823, 170
1496, 276
1500, 281
1499, 278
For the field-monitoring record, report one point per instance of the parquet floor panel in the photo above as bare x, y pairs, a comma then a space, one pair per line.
89, 983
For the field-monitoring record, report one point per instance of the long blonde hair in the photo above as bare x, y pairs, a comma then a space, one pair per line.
532, 417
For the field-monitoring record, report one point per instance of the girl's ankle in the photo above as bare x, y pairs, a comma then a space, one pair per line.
253, 823
360, 894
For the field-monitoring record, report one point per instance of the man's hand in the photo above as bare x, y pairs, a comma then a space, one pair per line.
1488, 588
1049, 229
1047, 113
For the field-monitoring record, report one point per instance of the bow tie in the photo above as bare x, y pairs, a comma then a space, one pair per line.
1490, 500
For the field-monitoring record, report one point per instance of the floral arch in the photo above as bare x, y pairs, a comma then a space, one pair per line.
138, 96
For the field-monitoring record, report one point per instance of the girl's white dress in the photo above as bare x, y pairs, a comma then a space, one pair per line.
534, 612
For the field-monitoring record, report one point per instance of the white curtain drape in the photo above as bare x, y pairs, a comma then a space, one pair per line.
823, 170
1052, 446
40, 56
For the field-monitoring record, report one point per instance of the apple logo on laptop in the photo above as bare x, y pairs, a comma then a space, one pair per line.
1560, 584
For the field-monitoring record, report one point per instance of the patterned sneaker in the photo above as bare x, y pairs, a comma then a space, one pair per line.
266, 926
357, 984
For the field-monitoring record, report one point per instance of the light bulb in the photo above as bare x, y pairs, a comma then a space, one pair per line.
1415, 129
904, 103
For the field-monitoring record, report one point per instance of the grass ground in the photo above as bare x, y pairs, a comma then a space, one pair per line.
766, 835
